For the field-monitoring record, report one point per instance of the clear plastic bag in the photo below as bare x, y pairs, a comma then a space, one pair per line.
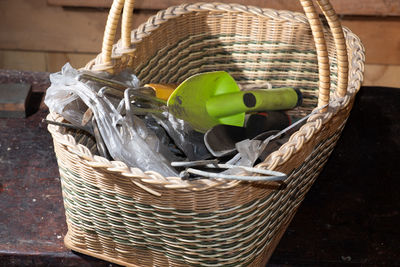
137, 146
190, 142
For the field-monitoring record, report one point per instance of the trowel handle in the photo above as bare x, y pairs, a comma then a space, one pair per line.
255, 100
163, 91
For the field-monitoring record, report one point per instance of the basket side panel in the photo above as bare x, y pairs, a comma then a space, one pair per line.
104, 222
240, 224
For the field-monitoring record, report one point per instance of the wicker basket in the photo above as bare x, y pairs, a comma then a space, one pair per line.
138, 217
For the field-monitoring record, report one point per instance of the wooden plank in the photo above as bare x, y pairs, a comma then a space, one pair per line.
55, 61
382, 75
13, 99
48, 28
23, 60
81, 30
52, 28
42, 61
81, 3
380, 36
345, 7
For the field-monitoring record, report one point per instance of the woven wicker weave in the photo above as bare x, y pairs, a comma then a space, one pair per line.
138, 217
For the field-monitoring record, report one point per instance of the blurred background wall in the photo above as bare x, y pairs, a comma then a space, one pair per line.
42, 35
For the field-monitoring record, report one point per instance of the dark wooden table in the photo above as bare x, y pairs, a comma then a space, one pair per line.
350, 216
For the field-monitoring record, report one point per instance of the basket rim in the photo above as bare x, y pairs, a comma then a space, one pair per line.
162, 16
276, 159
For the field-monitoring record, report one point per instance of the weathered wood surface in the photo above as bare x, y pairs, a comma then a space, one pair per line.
13, 99
349, 215
343, 7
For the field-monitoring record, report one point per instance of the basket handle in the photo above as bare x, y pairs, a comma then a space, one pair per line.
316, 28
322, 51
111, 28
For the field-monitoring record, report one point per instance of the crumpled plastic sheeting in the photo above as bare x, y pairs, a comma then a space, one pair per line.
135, 146
183, 135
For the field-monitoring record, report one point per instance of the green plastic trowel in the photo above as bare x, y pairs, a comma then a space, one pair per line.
211, 98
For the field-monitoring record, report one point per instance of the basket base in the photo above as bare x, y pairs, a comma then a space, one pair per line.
261, 260
70, 246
